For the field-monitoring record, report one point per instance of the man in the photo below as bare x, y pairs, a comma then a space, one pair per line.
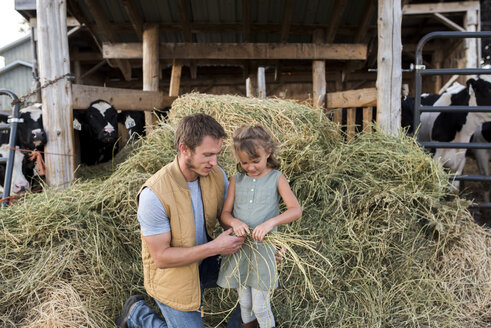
178, 209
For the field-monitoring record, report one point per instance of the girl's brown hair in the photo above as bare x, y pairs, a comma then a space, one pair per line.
247, 139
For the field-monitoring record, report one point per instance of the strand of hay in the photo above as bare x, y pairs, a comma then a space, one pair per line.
402, 252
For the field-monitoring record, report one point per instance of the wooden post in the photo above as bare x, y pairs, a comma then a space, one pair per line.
54, 62
389, 74
175, 78
437, 60
472, 45
151, 66
251, 81
249, 88
367, 119
319, 75
350, 123
261, 83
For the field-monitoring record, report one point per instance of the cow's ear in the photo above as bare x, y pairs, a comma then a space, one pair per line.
77, 125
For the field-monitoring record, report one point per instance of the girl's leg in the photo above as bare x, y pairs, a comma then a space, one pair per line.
261, 306
245, 301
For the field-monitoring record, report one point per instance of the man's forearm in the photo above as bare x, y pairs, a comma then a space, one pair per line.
172, 257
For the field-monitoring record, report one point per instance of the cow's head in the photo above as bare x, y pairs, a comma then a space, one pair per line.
99, 121
482, 90
31, 134
134, 123
407, 114
19, 182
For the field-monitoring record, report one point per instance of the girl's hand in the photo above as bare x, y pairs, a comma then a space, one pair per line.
261, 230
240, 228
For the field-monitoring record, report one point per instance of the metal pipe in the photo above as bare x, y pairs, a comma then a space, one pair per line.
13, 133
456, 109
469, 145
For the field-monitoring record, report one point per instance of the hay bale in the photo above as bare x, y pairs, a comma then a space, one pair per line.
401, 254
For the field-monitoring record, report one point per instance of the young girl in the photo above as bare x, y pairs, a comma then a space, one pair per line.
252, 203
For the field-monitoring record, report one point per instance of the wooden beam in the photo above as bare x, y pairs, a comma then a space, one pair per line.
447, 22
175, 78
350, 123
336, 15
246, 20
440, 7
472, 45
389, 73
318, 75
93, 69
105, 30
307, 51
345, 30
352, 98
121, 99
151, 66
367, 119
183, 14
251, 81
261, 83
436, 61
287, 20
70, 22
135, 18
54, 63
365, 22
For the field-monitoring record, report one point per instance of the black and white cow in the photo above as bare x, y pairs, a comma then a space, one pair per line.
483, 134
30, 136
30, 132
19, 182
131, 126
456, 127
482, 156
407, 110
98, 126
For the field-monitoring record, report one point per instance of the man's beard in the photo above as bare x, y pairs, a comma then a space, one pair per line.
191, 167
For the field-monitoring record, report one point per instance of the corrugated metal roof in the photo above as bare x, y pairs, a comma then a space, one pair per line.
307, 12
15, 43
13, 65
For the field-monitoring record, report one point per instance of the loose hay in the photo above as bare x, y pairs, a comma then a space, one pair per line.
376, 208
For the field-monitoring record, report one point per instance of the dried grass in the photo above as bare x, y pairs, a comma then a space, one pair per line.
402, 252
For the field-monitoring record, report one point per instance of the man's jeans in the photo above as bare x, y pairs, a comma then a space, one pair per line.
143, 316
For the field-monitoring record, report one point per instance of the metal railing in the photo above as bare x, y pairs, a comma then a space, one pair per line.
12, 126
421, 70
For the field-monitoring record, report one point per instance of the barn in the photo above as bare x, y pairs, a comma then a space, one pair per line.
17, 74
381, 243
139, 55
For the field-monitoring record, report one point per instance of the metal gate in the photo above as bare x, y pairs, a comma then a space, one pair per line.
420, 70
12, 126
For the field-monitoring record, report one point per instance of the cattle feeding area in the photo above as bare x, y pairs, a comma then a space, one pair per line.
403, 251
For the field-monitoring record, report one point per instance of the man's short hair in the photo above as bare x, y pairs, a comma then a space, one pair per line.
193, 128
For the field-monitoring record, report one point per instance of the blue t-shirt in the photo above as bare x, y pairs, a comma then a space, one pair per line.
153, 219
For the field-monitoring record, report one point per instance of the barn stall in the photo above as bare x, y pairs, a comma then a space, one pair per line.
99, 244
289, 49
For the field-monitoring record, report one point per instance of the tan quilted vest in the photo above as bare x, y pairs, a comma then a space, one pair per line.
179, 287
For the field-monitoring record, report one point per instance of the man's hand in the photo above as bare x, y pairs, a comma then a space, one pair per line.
261, 230
240, 228
226, 244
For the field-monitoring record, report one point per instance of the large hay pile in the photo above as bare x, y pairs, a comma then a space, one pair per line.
401, 254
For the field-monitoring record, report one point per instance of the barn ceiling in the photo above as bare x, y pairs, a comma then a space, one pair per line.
238, 21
